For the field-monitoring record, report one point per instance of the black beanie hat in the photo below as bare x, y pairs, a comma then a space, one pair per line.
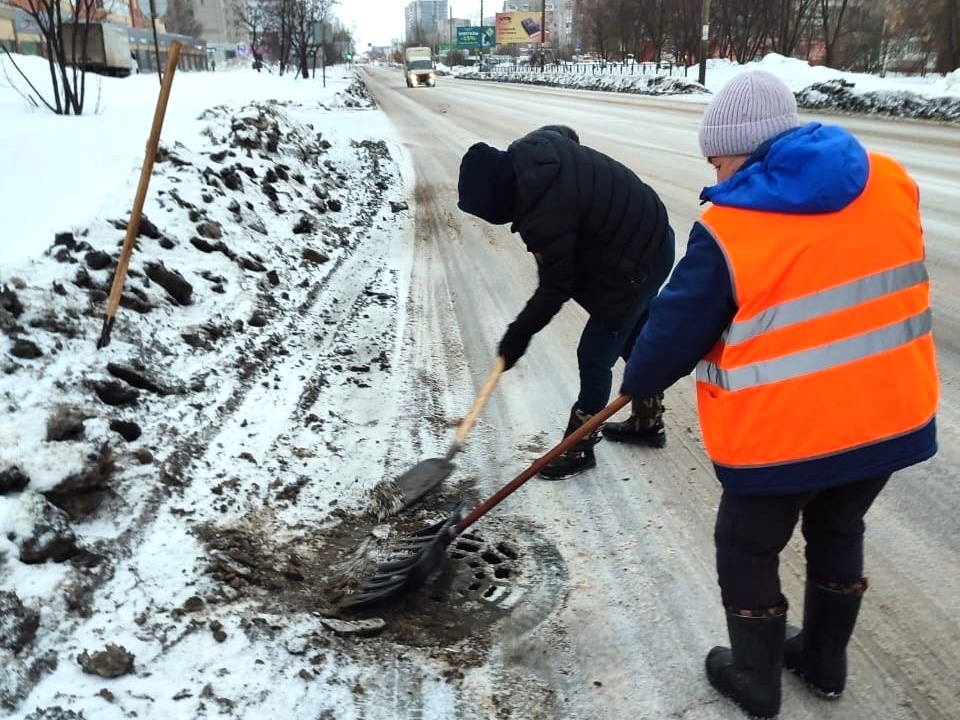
487, 184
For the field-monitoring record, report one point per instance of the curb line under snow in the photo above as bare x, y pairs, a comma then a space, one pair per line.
836, 95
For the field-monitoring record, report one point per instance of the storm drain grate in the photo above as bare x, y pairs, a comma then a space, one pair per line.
482, 581
484, 570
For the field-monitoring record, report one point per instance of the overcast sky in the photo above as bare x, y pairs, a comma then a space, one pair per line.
379, 21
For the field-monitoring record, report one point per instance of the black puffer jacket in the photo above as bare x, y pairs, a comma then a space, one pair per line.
593, 225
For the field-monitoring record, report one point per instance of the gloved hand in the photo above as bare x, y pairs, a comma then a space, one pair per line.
512, 347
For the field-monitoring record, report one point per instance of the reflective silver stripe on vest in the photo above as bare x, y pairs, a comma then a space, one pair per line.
827, 301
820, 358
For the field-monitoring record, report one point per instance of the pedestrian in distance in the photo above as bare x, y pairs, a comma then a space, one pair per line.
803, 303
600, 237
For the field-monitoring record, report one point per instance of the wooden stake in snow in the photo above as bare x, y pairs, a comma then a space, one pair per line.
133, 226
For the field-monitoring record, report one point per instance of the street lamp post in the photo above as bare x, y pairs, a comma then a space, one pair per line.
704, 41
883, 48
543, 32
156, 43
482, 35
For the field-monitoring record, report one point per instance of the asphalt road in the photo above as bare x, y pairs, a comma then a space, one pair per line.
640, 607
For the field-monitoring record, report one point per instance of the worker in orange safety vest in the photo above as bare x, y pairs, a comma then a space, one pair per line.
803, 303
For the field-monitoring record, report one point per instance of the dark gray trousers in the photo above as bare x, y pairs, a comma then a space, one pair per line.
751, 531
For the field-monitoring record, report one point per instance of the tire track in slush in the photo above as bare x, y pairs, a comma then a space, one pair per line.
258, 358
311, 346
407, 687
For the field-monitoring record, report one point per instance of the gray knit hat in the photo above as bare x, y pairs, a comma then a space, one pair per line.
749, 110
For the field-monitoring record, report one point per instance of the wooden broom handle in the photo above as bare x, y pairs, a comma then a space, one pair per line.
478, 404
564, 445
173, 55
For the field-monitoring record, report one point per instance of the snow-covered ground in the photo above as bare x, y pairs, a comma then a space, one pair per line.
173, 505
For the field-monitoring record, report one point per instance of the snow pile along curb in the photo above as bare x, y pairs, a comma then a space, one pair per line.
837, 95
632, 84
842, 95
225, 293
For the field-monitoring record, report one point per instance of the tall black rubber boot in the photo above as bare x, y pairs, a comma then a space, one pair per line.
818, 652
578, 458
748, 672
643, 427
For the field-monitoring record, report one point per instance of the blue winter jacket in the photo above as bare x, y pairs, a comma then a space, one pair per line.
811, 169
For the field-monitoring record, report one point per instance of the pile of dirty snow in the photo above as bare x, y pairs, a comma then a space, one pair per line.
227, 292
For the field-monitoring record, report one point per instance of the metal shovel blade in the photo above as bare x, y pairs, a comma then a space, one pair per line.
422, 478
428, 474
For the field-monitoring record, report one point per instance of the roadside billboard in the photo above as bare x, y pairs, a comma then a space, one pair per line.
523, 27
475, 36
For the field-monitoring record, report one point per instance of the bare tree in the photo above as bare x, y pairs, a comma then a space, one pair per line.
938, 23
840, 33
831, 27
741, 28
65, 28
654, 13
302, 19
599, 25
684, 24
628, 28
862, 49
256, 18
307, 21
948, 58
929, 28
788, 21
282, 16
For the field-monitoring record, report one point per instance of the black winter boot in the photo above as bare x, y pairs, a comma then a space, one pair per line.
818, 653
578, 458
643, 427
748, 672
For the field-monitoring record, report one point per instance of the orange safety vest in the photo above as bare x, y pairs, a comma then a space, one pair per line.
831, 347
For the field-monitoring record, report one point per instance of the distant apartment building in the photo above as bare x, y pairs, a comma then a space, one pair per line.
8, 28
221, 21
448, 29
424, 21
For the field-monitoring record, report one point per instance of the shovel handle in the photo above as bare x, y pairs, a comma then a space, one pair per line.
136, 212
467, 423
569, 441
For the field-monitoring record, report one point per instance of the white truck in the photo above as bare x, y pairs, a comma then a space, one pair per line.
418, 67
107, 47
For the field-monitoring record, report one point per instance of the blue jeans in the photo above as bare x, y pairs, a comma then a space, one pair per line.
599, 348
